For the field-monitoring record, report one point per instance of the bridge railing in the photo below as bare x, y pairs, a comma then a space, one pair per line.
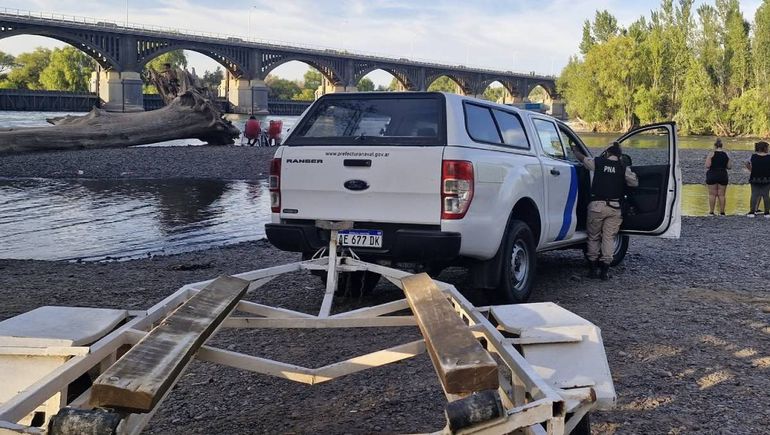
228, 38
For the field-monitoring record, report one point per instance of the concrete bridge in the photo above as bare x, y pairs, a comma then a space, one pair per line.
122, 51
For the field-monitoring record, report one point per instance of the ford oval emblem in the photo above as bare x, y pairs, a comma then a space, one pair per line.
356, 185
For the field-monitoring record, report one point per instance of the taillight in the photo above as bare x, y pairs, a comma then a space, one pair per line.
456, 188
274, 184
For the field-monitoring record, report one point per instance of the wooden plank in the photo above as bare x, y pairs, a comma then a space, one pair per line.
317, 323
138, 380
462, 365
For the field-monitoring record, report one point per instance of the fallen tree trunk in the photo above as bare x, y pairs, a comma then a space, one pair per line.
188, 116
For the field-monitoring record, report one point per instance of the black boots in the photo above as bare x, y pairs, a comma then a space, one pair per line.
604, 271
593, 269
597, 270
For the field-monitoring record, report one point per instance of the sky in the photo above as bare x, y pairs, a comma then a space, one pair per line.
516, 35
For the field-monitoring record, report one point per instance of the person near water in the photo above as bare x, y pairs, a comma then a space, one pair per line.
759, 165
608, 183
252, 130
717, 164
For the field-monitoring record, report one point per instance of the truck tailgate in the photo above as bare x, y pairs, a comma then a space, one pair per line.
363, 184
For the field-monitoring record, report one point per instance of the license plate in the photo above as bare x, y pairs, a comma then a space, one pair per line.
360, 238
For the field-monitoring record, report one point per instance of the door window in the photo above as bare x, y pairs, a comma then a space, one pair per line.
570, 140
549, 138
648, 147
481, 126
511, 129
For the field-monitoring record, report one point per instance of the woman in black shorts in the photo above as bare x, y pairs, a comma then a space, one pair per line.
717, 164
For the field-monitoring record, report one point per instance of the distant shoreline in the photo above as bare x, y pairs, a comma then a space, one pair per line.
224, 163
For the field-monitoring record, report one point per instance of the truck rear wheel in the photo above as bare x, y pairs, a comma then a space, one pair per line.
620, 250
519, 264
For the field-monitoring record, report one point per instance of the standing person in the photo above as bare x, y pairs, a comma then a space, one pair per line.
610, 177
717, 164
759, 165
252, 130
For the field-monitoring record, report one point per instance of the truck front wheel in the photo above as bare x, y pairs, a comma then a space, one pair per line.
519, 264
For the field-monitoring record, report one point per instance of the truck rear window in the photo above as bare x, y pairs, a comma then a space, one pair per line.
379, 119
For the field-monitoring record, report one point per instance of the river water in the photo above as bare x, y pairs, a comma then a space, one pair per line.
93, 220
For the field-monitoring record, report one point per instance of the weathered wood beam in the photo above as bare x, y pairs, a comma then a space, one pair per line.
138, 380
462, 364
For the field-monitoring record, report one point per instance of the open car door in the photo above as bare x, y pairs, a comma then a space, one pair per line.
654, 207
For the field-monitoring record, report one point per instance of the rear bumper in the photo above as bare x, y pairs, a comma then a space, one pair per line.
399, 244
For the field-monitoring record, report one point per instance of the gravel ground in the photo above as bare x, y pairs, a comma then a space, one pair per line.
686, 323
686, 326
224, 162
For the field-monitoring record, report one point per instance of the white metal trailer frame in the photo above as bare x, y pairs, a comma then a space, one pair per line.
531, 404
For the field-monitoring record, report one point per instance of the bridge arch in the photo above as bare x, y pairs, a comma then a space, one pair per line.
509, 87
463, 86
548, 87
103, 50
331, 72
408, 81
499, 93
149, 50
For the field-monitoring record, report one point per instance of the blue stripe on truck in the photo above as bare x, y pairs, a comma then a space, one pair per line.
571, 198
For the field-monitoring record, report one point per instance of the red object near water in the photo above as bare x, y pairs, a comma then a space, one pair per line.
252, 129
275, 129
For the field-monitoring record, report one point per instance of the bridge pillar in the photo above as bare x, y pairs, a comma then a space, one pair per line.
558, 109
327, 87
246, 96
119, 91
512, 99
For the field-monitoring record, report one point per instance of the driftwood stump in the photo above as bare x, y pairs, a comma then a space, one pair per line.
188, 116
173, 82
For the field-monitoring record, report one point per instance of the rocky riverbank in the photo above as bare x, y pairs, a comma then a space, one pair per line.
225, 162
220, 162
686, 326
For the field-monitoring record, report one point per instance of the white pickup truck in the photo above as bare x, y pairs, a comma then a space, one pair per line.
434, 180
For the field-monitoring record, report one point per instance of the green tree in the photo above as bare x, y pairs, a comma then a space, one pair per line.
312, 79
444, 84
697, 115
7, 62
761, 45
68, 70
213, 79
495, 94
305, 95
177, 59
709, 70
588, 40
26, 71
365, 85
538, 95
605, 26
281, 89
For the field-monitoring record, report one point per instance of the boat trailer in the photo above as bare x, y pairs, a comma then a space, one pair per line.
529, 368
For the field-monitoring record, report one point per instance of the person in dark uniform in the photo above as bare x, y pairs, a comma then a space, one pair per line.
717, 164
608, 183
759, 165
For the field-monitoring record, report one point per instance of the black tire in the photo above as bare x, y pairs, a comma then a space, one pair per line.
349, 284
356, 284
583, 427
519, 259
621, 248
